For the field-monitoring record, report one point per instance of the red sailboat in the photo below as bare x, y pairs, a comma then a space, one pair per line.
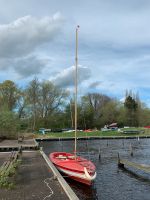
75, 167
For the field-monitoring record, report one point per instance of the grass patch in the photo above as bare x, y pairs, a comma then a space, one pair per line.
94, 134
6, 180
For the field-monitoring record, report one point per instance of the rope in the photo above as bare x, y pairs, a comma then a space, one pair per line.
47, 184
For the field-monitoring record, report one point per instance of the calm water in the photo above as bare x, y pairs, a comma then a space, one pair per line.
111, 182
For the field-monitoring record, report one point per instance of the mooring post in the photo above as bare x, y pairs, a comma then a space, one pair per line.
41, 148
86, 143
123, 142
138, 140
99, 154
20, 149
107, 143
131, 150
119, 163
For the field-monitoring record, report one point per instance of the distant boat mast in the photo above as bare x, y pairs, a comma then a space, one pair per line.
76, 89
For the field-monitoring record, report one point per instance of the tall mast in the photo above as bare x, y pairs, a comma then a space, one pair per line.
76, 90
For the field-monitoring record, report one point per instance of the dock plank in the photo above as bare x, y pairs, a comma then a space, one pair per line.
9, 145
143, 167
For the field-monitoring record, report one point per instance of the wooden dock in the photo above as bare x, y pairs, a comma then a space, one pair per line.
143, 167
34, 179
15, 145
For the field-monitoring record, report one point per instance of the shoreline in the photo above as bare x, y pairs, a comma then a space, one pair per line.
91, 138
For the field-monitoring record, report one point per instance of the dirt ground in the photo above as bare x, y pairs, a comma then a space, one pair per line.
33, 181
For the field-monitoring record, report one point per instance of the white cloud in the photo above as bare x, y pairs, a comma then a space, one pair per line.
24, 35
20, 40
122, 100
67, 76
115, 44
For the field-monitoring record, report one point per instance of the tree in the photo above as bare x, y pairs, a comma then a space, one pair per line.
33, 92
92, 105
9, 124
131, 108
69, 114
44, 99
22, 104
9, 94
51, 99
110, 112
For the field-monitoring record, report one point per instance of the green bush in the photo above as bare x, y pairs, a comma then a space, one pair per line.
5, 181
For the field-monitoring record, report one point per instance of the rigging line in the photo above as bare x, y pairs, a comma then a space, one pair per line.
47, 184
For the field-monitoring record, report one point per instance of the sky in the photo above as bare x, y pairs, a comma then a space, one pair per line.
37, 38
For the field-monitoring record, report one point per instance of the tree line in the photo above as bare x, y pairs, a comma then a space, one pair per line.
43, 104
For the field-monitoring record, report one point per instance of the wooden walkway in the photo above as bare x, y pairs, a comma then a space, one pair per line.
143, 167
34, 180
15, 145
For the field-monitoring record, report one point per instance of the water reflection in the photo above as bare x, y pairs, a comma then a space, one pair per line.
83, 191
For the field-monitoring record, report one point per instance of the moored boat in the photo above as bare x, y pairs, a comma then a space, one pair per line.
77, 168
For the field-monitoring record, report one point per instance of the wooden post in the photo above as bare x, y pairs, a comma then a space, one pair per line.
86, 143
138, 140
99, 154
123, 142
119, 163
131, 150
20, 149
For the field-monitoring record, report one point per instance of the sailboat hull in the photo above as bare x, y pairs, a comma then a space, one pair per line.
78, 168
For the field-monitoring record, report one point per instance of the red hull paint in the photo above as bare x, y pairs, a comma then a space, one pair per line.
74, 168
146, 126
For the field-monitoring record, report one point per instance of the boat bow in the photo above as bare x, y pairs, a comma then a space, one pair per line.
89, 177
